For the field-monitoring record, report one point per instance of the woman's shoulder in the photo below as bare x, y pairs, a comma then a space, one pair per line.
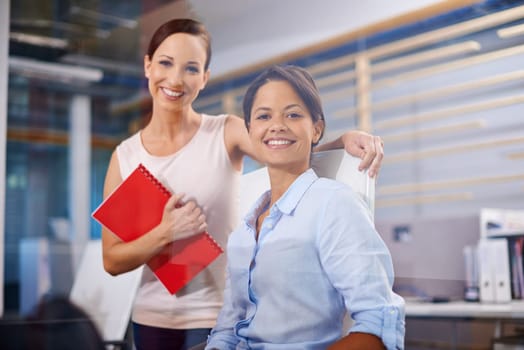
129, 146
213, 122
214, 118
130, 141
327, 184
332, 190
222, 115
233, 119
235, 127
338, 199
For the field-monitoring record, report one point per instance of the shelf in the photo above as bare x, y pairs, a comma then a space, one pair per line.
463, 309
504, 233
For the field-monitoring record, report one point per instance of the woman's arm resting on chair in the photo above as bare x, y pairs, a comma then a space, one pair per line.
358, 341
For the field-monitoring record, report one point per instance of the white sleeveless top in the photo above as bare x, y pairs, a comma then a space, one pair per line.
203, 171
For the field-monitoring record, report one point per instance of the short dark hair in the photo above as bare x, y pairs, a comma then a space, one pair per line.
180, 25
299, 79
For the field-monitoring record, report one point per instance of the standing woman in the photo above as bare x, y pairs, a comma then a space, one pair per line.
307, 252
199, 157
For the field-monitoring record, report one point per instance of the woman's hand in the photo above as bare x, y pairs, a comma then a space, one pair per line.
367, 147
359, 144
182, 219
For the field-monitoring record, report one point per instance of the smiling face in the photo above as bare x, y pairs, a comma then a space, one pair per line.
176, 71
281, 128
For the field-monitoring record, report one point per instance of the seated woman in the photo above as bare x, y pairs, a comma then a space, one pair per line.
307, 252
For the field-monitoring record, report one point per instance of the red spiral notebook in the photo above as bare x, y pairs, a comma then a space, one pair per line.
134, 208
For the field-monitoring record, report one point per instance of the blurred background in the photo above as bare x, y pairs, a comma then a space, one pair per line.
442, 82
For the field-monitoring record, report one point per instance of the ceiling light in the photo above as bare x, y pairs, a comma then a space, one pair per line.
94, 15
105, 64
509, 32
54, 72
44, 24
39, 40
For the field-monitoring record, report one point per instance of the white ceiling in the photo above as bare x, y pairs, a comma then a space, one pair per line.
248, 31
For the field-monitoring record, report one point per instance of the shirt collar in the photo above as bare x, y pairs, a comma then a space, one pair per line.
289, 200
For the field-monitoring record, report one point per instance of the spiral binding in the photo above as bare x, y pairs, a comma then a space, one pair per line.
153, 179
213, 241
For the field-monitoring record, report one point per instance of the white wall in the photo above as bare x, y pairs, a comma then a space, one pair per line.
245, 32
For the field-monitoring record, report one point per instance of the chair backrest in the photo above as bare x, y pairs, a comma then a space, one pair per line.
334, 164
107, 299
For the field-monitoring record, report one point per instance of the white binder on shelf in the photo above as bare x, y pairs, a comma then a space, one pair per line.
486, 287
501, 270
494, 270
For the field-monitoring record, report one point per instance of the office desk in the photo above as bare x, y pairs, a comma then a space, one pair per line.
461, 310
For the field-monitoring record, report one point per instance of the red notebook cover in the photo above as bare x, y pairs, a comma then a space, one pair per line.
134, 208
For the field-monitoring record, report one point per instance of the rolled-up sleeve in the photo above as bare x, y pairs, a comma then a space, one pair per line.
387, 324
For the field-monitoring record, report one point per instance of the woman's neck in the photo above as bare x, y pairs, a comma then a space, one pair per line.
166, 134
280, 180
170, 123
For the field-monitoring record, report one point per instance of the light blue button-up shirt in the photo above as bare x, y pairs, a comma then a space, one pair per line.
317, 257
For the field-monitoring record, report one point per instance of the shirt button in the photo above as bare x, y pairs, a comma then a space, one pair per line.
392, 312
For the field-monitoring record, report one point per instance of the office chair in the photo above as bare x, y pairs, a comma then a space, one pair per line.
334, 164
107, 299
